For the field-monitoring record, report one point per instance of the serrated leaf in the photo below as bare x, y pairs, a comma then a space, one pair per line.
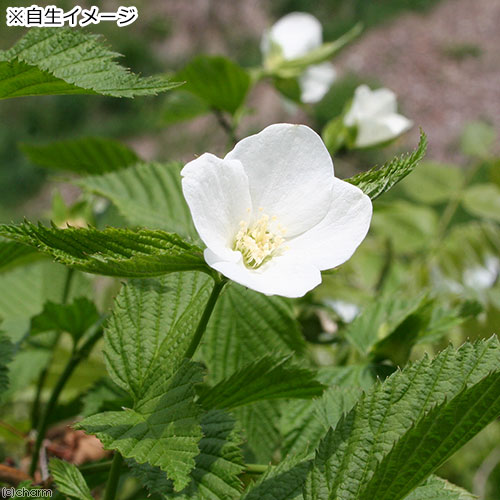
84, 156
264, 379
151, 328
67, 61
147, 195
436, 488
218, 465
282, 482
162, 429
423, 413
104, 395
483, 200
221, 83
14, 254
69, 480
378, 180
75, 318
112, 252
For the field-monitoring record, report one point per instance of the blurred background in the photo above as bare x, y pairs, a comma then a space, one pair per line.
442, 59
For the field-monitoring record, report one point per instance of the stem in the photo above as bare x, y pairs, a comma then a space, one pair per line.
256, 468
35, 412
94, 468
12, 430
114, 477
202, 325
73, 362
227, 126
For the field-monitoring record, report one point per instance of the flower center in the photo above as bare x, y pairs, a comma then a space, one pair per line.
259, 242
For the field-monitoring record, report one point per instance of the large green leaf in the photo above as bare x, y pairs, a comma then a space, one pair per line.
483, 200
436, 488
163, 429
75, 318
67, 61
13, 254
151, 327
265, 378
378, 180
221, 83
406, 427
147, 195
69, 480
85, 156
112, 252
218, 465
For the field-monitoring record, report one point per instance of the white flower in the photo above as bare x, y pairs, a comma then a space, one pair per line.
346, 310
297, 34
483, 277
374, 114
272, 214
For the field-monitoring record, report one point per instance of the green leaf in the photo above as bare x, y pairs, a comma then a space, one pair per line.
218, 465
247, 325
432, 183
282, 482
377, 181
406, 427
335, 134
265, 378
287, 68
147, 195
151, 328
477, 139
104, 395
221, 83
6, 354
112, 252
162, 429
75, 318
182, 106
69, 480
84, 156
436, 488
13, 254
68, 61
483, 200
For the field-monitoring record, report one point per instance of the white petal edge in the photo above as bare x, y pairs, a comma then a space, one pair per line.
370, 104
296, 33
383, 129
218, 197
290, 174
334, 240
316, 81
282, 275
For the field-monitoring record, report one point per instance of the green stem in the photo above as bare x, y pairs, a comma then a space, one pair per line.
114, 477
256, 468
35, 411
227, 126
202, 325
94, 468
73, 362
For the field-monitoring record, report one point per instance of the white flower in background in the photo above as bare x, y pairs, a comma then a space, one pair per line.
347, 311
272, 214
374, 114
483, 277
297, 34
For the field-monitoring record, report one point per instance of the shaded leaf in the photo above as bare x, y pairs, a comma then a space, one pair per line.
483, 200
69, 480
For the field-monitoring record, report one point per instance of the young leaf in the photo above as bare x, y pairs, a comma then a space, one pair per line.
69, 480
13, 254
84, 156
377, 181
218, 465
75, 318
162, 429
436, 488
265, 378
151, 327
406, 427
67, 61
147, 195
221, 83
112, 252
